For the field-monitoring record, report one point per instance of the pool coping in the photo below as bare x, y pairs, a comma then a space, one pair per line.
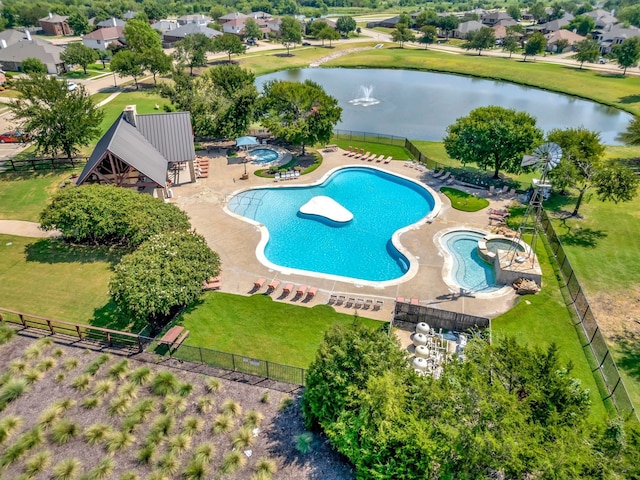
395, 238
447, 268
284, 156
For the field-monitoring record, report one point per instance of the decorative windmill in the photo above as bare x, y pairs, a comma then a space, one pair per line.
547, 156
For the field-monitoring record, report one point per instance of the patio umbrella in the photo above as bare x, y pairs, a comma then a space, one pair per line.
246, 141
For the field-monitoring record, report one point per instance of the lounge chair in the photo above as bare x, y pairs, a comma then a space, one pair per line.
512, 191
408, 163
259, 283
296, 174
365, 156
276, 177
359, 303
302, 289
341, 299
380, 158
451, 180
438, 174
350, 302
445, 177
273, 285
415, 301
368, 303
359, 154
399, 299
505, 189
348, 151
312, 292
286, 290
214, 283
388, 159
378, 305
371, 157
333, 299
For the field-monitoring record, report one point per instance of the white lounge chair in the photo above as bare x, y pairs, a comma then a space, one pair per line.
388, 159
445, 176
296, 174
438, 174
276, 177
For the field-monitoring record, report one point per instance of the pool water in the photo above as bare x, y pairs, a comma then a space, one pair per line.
361, 249
496, 244
469, 270
263, 155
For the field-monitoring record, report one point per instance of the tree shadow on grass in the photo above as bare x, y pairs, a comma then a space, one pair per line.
51, 250
627, 346
629, 99
111, 317
582, 237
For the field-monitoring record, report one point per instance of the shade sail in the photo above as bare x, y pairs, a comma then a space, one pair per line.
243, 141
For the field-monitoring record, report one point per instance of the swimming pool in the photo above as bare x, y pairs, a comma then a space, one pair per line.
263, 155
365, 248
468, 270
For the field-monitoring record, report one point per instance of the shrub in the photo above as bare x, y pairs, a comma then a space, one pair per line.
95, 365
204, 404
11, 391
119, 370
143, 408
98, 432
32, 351
91, 402
169, 464
119, 405
22, 445
232, 462
129, 476
253, 419
6, 333
164, 383
71, 363
163, 425
67, 469
147, 453
81, 383
64, 404
213, 385
17, 366
304, 442
129, 390
192, 425
243, 438
179, 444
64, 430
119, 440
265, 398
46, 364
196, 470
285, 403
37, 463
60, 377
231, 408
174, 405
185, 389
204, 452
104, 387
140, 376
50, 415
103, 470
266, 466
58, 352
222, 424
8, 426
33, 375
110, 215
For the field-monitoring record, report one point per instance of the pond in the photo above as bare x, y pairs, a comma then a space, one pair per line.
420, 105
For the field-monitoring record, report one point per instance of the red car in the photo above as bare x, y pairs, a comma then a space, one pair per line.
14, 137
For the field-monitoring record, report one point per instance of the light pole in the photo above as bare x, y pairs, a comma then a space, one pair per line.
114, 80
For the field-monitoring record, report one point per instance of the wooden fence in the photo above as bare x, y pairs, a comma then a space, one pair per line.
35, 164
407, 316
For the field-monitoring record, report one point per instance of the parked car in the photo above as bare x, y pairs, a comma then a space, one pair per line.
14, 137
71, 86
306, 44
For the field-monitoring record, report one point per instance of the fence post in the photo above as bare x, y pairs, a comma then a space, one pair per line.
233, 361
24, 322
604, 358
266, 362
201, 359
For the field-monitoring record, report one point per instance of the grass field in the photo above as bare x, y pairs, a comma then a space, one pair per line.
464, 201
257, 326
396, 152
23, 195
145, 102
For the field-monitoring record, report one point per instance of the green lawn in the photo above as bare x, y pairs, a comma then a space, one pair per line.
544, 318
396, 152
144, 101
23, 195
464, 201
258, 327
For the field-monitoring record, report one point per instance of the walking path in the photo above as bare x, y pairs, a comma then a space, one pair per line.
25, 229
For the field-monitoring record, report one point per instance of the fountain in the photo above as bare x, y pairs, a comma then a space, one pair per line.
365, 100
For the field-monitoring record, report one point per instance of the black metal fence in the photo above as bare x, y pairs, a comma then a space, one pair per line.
26, 164
369, 137
590, 331
407, 316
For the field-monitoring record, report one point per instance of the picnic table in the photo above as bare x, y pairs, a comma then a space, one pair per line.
172, 334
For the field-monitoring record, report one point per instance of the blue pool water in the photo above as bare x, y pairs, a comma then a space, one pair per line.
263, 155
469, 270
381, 204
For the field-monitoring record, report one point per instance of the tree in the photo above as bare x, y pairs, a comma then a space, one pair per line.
538, 11
582, 150
140, 37
426, 17
108, 215
535, 45
402, 34
627, 53
630, 14
510, 44
55, 118
561, 45
429, 35
33, 65
166, 272
632, 135
290, 32
192, 50
103, 56
480, 40
327, 33
229, 43
252, 30
299, 113
582, 24
79, 54
79, 23
126, 63
345, 25
157, 62
587, 50
448, 24
513, 10
154, 10
493, 137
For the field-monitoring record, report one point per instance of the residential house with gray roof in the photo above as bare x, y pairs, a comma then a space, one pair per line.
200, 19
12, 56
170, 37
613, 35
101, 38
465, 28
111, 22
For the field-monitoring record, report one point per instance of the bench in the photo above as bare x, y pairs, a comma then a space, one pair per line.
214, 283
179, 341
331, 148
172, 334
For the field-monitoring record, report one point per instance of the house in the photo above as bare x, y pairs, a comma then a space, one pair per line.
602, 18
198, 19
129, 14
57, 25
235, 26
386, 23
165, 25
11, 36
112, 22
554, 37
552, 26
101, 38
12, 56
475, 14
613, 35
170, 37
231, 16
465, 28
493, 18
143, 152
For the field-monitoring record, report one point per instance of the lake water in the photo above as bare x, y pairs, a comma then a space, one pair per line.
420, 105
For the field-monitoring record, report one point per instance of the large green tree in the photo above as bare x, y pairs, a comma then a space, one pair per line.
535, 45
157, 62
192, 50
290, 32
327, 33
632, 135
79, 23
585, 168
128, 64
299, 113
630, 14
402, 33
345, 25
493, 137
587, 50
166, 272
429, 35
627, 54
78, 53
140, 37
230, 44
582, 24
480, 40
58, 121
252, 30
510, 44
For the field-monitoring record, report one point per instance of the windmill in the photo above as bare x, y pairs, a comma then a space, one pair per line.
547, 156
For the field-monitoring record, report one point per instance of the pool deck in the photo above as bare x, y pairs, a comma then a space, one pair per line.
235, 241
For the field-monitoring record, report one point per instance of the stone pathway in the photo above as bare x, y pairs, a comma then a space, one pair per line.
335, 55
25, 229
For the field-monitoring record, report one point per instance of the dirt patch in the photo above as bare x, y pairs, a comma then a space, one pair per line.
618, 314
274, 439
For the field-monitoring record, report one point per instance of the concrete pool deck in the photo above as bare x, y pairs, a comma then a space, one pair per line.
236, 240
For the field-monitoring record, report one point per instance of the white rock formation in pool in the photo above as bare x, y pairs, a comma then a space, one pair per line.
326, 207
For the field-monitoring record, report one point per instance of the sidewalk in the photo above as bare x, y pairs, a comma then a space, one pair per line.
25, 229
